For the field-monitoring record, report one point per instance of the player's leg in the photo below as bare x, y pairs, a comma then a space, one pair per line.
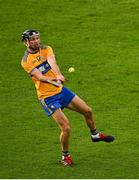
64, 125
77, 104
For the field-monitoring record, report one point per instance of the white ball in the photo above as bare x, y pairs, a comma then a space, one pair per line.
71, 70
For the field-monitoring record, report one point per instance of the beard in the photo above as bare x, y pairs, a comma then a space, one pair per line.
35, 47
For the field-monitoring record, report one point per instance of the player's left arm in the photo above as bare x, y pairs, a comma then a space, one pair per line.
55, 68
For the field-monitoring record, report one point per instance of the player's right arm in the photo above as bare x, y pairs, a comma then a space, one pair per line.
37, 74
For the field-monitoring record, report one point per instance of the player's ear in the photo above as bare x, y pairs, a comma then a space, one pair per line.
26, 42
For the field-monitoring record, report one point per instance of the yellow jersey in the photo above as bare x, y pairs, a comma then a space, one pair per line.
39, 60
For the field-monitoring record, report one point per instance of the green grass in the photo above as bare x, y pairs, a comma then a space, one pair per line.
100, 38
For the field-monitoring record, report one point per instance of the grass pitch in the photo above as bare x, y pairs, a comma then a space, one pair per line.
100, 40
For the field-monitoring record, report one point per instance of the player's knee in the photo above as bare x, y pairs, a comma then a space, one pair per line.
66, 128
88, 112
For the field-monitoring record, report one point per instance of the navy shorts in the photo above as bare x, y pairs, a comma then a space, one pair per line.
61, 100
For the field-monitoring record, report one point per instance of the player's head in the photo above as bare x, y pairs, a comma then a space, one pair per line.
31, 38
29, 33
